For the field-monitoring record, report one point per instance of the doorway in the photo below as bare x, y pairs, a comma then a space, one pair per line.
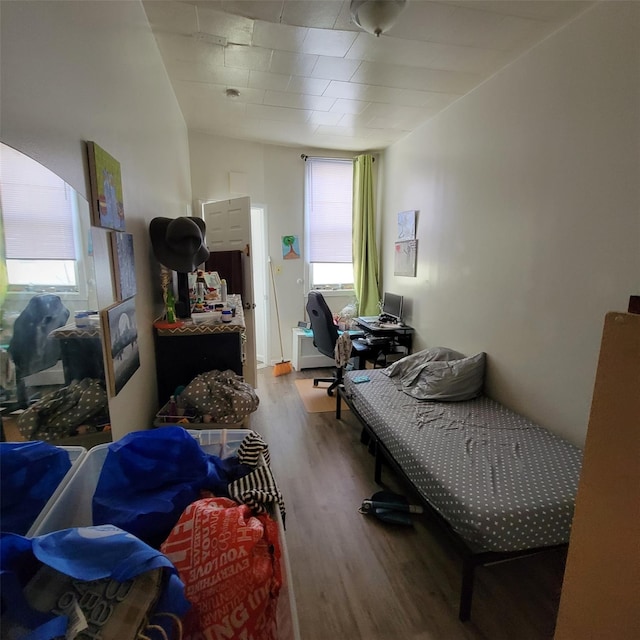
260, 283
229, 228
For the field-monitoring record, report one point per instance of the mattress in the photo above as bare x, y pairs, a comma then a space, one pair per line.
502, 482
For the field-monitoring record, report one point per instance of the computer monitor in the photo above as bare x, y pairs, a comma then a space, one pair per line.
392, 306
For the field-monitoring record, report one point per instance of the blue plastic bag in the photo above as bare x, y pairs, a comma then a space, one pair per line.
84, 554
29, 474
150, 477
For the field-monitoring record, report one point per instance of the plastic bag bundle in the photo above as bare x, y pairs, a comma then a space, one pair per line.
150, 477
88, 582
29, 474
229, 561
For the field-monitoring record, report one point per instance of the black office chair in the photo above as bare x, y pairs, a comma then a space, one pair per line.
325, 336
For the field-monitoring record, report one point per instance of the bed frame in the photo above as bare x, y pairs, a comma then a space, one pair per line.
470, 558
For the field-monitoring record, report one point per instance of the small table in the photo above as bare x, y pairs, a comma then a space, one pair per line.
81, 351
185, 351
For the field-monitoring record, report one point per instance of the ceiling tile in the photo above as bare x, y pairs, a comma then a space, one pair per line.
310, 86
267, 80
325, 117
292, 64
406, 97
429, 55
266, 112
348, 106
332, 43
214, 95
357, 91
309, 77
248, 57
187, 49
402, 77
235, 29
298, 101
278, 36
171, 17
335, 68
268, 10
198, 72
318, 13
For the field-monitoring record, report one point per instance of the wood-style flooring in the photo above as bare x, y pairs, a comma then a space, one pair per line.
355, 577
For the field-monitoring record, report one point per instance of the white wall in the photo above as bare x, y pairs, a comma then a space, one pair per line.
529, 215
275, 179
78, 71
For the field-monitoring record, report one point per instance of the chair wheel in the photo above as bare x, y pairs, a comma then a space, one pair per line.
330, 392
315, 383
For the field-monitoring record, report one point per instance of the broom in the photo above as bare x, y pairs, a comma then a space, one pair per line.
284, 366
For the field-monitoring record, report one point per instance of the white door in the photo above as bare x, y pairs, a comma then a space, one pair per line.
229, 228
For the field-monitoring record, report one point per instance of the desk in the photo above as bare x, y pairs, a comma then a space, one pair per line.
184, 352
396, 336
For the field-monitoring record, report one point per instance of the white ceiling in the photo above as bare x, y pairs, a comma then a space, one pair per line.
308, 76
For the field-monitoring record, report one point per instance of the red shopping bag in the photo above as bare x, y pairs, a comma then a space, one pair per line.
229, 561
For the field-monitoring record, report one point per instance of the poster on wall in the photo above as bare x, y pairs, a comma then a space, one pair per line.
405, 258
120, 336
407, 225
123, 266
290, 248
105, 181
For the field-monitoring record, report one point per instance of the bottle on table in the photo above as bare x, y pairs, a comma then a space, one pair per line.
170, 305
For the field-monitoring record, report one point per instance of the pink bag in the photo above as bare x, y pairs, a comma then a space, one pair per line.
229, 561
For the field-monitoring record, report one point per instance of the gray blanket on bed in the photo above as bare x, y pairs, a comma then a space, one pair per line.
439, 374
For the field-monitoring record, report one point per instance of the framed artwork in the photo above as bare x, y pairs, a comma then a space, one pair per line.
120, 343
407, 225
105, 182
123, 265
290, 248
405, 258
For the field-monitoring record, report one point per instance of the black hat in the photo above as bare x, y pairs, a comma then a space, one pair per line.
178, 243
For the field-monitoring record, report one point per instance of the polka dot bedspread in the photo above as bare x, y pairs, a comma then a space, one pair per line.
502, 482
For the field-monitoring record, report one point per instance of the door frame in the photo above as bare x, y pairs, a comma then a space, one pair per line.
259, 244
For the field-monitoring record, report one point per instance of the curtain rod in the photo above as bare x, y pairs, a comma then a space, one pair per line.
304, 157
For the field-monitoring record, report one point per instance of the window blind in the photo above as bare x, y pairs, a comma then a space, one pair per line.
329, 196
35, 204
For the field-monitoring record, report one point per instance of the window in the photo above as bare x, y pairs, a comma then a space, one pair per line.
328, 223
35, 203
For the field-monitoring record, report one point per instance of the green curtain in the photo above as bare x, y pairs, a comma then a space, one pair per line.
365, 251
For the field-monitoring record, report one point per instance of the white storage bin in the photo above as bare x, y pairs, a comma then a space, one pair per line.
73, 508
163, 419
76, 455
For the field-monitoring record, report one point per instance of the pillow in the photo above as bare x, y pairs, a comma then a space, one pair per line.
451, 381
408, 363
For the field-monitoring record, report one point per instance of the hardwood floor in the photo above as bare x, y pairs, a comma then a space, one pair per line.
355, 577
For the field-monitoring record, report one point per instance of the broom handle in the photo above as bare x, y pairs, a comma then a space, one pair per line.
275, 299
